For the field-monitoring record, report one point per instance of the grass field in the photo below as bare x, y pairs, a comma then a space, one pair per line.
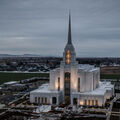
6, 76
110, 76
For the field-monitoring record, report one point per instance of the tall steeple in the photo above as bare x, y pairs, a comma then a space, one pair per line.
69, 31
69, 55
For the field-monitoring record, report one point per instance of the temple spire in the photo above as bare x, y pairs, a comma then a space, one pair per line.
69, 31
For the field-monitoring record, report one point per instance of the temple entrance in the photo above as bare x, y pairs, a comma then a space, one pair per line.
54, 100
67, 88
75, 101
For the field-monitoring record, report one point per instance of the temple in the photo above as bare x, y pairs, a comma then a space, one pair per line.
73, 83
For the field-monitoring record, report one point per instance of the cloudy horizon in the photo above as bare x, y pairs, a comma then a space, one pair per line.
40, 27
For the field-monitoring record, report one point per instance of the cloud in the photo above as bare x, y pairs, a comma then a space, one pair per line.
40, 27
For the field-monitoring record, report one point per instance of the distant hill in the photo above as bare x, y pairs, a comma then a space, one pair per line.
24, 55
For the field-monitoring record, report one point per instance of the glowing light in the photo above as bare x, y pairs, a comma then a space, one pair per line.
68, 57
81, 102
68, 61
56, 85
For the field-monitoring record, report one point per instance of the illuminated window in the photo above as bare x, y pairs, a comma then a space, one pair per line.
78, 84
67, 84
68, 57
67, 88
67, 91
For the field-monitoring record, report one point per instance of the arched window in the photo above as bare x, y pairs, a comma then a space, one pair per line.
78, 84
54, 100
58, 83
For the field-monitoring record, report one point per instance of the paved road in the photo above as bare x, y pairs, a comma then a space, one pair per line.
96, 109
110, 109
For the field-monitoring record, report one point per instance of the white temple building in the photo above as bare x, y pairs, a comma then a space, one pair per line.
73, 83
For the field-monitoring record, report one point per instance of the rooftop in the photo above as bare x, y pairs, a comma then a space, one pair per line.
10, 83
101, 90
87, 67
44, 89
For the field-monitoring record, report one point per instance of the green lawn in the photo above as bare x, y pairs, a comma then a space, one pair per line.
111, 76
6, 76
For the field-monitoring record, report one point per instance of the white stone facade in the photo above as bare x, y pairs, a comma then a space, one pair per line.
73, 83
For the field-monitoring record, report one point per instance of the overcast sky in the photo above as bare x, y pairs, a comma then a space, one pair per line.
41, 26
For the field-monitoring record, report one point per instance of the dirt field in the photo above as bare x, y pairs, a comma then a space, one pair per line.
110, 70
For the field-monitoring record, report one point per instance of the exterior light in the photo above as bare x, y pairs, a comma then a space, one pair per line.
81, 102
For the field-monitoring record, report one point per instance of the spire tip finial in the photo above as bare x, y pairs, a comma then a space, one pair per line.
69, 30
